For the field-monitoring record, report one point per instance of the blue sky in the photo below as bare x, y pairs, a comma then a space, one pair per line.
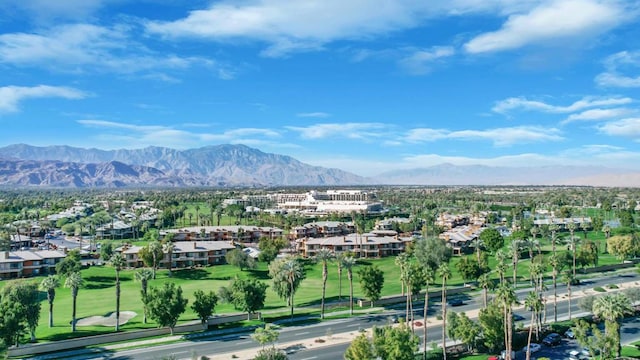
362, 85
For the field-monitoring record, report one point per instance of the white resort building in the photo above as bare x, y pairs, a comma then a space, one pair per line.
330, 201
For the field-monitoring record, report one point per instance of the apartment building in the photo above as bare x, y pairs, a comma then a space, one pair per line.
17, 264
370, 245
322, 229
185, 254
237, 233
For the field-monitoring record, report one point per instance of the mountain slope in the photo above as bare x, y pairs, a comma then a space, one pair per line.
235, 165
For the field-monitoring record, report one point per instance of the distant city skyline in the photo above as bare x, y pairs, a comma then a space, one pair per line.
364, 86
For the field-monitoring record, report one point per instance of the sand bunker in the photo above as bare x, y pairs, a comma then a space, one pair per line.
109, 320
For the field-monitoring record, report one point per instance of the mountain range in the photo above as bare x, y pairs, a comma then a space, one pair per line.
239, 165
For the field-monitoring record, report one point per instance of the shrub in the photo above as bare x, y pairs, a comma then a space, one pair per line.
599, 289
612, 286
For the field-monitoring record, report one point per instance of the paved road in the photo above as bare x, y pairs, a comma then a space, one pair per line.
238, 342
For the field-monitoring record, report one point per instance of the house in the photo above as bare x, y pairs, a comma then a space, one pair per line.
322, 229
244, 234
184, 254
391, 223
375, 244
17, 264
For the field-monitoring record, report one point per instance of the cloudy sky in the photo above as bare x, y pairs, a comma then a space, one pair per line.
362, 85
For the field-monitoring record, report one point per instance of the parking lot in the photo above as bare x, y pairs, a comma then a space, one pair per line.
559, 352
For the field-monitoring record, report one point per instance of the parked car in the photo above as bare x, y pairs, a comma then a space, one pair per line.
534, 348
578, 355
503, 354
552, 339
569, 334
517, 317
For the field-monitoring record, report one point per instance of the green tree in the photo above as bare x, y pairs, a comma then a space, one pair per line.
270, 353
152, 255
168, 247
247, 295
165, 304
534, 304
612, 308
143, 276
118, 263
506, 297
49, 285
492, 239
106, 250
622, 246
349, 262
24, 293
360, 349
74, 283
204, 305
239, 258
265, 335
287, 274
469, 268
70, 264
468, 331
491, 321
324, 256
371, 282
431, 252
12, 326
445, 273
5, 241
398, 343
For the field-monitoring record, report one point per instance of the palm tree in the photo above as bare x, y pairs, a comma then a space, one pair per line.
402, 261
534, 304
501, 267
553, 228
73, 282
168, 247
293, 272
573, 242
339, 264
515, 255
197, 208
612, 308
568, 278
324, 256
49, 285
507, 297
155, 247
348, 262
555, 264
429, 278
118, 263
484, 281
445, 273
143, 276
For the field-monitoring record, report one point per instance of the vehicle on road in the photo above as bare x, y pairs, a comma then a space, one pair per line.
552, 339
456, 302
534, 348
517, 317
569, 334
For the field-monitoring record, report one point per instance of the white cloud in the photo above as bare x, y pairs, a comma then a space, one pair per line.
499, 136
550, 22
317, 114
160, 135
616, 66
626, 128
341, 130
86, 47
516, 103
420, 61
598, 114
11, 96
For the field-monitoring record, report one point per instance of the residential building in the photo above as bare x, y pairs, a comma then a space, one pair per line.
330, 201
461, 238
370, 245
17, 264
391, 223
185, 254
322, 229
237, 233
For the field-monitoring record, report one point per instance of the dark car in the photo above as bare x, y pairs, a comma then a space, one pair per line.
517, 317
552, 339
456, 302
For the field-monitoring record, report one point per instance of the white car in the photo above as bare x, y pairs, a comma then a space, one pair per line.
534, 348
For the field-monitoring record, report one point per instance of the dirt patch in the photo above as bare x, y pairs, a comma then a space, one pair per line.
109, 320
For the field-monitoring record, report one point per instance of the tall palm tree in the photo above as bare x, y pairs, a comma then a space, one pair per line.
573, 242
507, 297
402, 261
118, 262
568, 278
484, 281
501, 267
155, 247
339, 263
143, 276
445, 273
516, 245
553, 228
429, 278
49, 285
534, 304
348, 262
612, 308
324, 256
168, 247
293, 272
73, 282
554, 261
